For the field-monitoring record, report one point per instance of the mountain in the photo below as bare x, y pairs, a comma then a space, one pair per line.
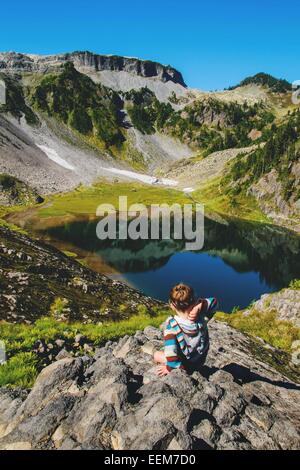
74, 117
61, 118
14, 62
120, 73
274, 84
271, 173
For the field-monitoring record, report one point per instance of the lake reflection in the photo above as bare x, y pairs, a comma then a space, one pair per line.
238, 263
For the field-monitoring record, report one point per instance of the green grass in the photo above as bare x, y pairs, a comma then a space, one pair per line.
85, 200
240, 206
22, 366
295, 284
279, 333
5, 210
19, 371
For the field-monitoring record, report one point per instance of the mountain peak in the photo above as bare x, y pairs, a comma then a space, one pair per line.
18, 62
276, 85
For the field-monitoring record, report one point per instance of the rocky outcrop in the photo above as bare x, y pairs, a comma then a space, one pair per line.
115, 401
14, 192
15, 62
268, 193
37, 279
285, 303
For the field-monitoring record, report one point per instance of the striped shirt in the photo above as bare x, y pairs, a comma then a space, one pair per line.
188, 340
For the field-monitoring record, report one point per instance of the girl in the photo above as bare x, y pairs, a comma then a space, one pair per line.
186, 340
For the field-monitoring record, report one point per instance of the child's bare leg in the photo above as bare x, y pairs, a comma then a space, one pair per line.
159, 357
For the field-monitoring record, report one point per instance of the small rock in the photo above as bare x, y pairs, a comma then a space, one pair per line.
63, 353
148, 348
79, 340
60, 343
152, 333
182, 441
87, 348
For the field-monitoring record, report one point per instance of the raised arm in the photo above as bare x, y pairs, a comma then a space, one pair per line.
204, 307
209, 307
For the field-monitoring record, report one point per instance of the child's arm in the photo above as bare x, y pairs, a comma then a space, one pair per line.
209, 307
204, 307
194, 313
171, 350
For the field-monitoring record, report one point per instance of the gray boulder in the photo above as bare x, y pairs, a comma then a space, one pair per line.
243, 398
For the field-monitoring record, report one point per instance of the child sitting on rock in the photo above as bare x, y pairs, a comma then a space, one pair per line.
186, 340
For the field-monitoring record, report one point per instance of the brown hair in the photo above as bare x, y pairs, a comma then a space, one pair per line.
182, 296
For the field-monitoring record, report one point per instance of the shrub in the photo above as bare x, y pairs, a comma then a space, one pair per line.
295, 284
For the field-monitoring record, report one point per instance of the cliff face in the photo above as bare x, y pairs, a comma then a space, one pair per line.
268, 192
15, 62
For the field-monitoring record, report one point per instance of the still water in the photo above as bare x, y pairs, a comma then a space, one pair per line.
238, 263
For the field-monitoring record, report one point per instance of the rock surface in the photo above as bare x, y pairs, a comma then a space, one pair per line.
16, 62
268, 192
116, 72
195, 174
36, 278
15, 192
115, 401
285, 303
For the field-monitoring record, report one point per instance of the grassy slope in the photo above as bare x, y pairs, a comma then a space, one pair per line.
242, 207
279, 333
4, 211
23, 365
85, 200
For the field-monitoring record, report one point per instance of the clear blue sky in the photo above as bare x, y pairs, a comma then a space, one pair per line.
213, 43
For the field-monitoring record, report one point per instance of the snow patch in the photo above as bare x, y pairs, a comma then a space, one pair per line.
167, 182
53, 155
142, 177
188, 190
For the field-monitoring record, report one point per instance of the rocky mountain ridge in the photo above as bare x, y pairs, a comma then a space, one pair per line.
84, 60
115, 401
72, 123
